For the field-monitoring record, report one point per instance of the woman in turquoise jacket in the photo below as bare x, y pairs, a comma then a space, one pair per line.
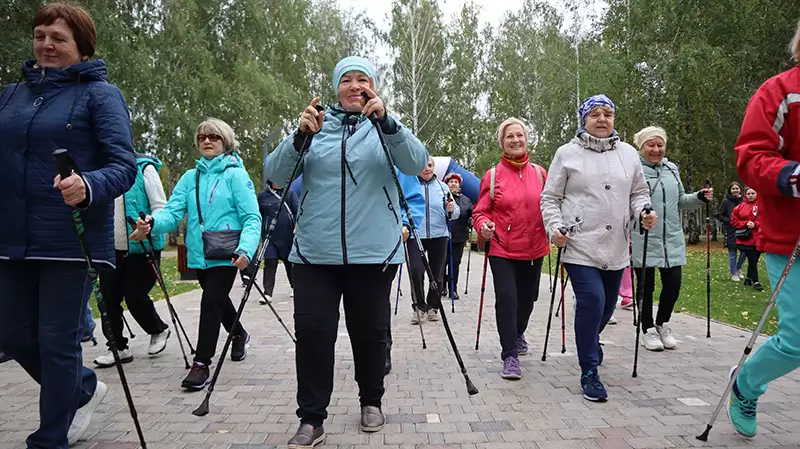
666, 245
227, 202
348, 241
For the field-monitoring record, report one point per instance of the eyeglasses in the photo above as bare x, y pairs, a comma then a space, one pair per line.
212, 137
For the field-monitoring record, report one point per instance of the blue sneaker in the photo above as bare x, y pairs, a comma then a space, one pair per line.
593, 389
742, 412
522, 345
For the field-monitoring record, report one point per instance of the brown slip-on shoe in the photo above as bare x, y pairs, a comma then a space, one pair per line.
372, 420
307, 437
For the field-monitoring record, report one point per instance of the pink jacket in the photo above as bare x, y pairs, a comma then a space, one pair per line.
516, 213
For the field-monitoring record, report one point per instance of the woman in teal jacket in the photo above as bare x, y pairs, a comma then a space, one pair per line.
227, 203
666, 246
348, 241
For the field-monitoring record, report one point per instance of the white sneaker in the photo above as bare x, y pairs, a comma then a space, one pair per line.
417, 318
652, 341
263, 301
666, 336
736, 277
107, 361
433, 315
158, 342
612, 320
83, 416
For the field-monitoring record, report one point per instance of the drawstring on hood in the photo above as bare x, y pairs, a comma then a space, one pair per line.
598, 145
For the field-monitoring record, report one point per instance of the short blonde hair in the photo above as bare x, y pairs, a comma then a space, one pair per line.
506, 123
216, 126
794, 45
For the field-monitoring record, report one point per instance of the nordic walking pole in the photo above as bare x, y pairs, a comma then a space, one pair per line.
469, 259
563, 231
130, 332
414, 297
640, 294
390, 162
550, 270
483, 291
397, 299
152, 261
202, 410
66, 167
749, 348
452, 274
563, 310
160, 278
564, 280
274, 312
708, 265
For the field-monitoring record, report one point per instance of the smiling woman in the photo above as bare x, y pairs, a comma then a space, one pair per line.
65, 101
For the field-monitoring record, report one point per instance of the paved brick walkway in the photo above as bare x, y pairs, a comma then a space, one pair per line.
426, 401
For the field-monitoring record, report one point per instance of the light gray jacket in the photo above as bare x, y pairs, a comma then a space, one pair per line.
595, 188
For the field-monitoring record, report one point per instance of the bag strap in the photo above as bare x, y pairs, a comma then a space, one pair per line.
539, 173
197, 196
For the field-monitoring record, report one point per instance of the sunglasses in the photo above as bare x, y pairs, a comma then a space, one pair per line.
212, 137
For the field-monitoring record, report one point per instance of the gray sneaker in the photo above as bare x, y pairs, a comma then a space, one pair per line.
522, 345
83, 416
433, 315
158, 342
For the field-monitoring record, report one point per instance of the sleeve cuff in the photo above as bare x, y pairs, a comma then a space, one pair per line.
789, 180
388, 125
83, 205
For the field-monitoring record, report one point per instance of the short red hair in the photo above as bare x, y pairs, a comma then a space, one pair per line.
77, 19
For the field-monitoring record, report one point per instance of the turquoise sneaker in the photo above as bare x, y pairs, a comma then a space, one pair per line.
742, 412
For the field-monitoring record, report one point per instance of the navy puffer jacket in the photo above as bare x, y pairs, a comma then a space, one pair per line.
73, 108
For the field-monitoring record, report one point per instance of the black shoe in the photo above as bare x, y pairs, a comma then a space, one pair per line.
455, 296
758, 286
239, 347
198, 377
3, 357
748, 282
387, 365
307, 437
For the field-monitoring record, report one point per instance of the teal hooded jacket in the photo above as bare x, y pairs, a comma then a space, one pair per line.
349, 209
227, 201
666, 245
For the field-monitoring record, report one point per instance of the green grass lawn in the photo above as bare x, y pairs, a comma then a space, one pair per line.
169, 269
731, 302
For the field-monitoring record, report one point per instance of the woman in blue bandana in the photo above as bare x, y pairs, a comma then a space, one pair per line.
595, 189
348, 241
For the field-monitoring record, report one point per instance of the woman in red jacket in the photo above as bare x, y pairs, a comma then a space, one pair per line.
744, 219
508, 214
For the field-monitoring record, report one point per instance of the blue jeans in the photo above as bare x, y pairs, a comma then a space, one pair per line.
596, 297
88, 322
780, 354
41, 325
735, 265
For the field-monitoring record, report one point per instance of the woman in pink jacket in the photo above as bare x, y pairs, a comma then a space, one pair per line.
508, 215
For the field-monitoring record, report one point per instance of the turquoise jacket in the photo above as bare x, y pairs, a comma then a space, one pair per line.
136, 200
666, 246
349, 208
227, 201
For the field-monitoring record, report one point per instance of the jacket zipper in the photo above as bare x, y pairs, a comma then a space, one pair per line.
427, 212
343, 229
389, 205
664, 221
214, 189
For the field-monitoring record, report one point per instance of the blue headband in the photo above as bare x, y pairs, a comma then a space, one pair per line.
353, 63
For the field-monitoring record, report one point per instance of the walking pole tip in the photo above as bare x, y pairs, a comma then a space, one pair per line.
704, 435
471, 389
202, 410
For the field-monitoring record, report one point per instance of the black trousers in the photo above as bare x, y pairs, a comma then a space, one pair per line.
516, 288
752, 255
216, 308
131, 281
458, 253
670, 290
437, 257
270, 270
318, 291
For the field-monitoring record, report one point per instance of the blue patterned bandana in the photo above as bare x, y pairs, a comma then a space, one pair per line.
591, 103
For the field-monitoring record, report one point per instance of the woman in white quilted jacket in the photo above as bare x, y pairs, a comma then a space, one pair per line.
595, 188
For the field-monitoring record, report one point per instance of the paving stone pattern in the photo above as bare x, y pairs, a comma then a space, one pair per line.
426, 400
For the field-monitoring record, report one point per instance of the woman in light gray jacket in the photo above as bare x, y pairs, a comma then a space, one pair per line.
595, 189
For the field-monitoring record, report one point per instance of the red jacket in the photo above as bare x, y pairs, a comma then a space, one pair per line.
519, 228
767, 155
743, 213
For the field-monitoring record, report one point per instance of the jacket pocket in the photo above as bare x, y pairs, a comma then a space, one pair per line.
390, 205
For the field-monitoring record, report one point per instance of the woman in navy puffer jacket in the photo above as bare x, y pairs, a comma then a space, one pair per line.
65, 101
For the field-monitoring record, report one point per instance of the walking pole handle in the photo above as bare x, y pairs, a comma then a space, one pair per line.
646, 209
64, 163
